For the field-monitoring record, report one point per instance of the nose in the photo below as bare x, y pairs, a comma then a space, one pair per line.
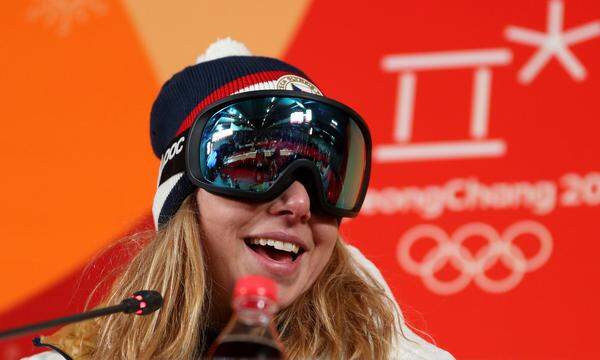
293, 203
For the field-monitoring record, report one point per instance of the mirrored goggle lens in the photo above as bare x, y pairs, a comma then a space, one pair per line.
248, 145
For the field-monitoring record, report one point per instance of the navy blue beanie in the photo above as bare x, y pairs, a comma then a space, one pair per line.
218, 74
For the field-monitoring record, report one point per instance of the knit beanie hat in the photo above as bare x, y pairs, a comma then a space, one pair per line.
225, 69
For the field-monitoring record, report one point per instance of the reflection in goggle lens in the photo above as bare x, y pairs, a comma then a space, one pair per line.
247, 145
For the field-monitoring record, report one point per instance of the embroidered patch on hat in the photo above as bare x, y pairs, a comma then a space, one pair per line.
297, 83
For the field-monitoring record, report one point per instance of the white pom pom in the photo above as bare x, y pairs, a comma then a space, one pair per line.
223, 48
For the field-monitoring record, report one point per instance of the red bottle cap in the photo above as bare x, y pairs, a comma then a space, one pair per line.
255, 285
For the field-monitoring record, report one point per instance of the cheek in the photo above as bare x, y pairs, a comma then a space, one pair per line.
215, 226
214, 251
220, 222
325, 233
215, 240
325, 236
220, 217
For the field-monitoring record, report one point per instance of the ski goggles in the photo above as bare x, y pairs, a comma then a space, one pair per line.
254, 145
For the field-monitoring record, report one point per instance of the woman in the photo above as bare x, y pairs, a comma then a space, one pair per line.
257, 170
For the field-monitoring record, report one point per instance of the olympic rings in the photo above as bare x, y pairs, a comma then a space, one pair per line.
473, 267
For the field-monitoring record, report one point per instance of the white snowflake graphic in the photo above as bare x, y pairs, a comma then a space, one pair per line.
62, 15
554, 42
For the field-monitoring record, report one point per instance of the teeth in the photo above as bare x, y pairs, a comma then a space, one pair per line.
279, 245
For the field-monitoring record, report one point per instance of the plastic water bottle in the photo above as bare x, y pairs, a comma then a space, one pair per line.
250, 333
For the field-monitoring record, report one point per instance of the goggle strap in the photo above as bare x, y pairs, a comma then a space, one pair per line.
172, 161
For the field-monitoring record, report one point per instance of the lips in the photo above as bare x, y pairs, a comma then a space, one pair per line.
275, 252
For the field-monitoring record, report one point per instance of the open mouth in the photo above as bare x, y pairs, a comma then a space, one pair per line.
274, 249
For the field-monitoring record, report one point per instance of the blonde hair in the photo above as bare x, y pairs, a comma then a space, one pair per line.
345, 314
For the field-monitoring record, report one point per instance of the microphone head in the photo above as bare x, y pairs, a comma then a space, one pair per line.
143, 302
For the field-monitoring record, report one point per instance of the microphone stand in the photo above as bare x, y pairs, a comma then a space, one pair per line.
141, 303
61, 321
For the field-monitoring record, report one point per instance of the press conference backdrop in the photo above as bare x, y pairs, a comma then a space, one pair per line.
484, 204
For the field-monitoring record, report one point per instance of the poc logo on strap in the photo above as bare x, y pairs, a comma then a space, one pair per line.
175, 149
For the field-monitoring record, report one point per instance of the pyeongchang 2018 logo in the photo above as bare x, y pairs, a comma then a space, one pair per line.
469, 194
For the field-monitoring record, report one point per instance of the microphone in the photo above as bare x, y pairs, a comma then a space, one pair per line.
142, 302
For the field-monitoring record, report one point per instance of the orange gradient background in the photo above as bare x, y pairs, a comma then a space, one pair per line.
78, 79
